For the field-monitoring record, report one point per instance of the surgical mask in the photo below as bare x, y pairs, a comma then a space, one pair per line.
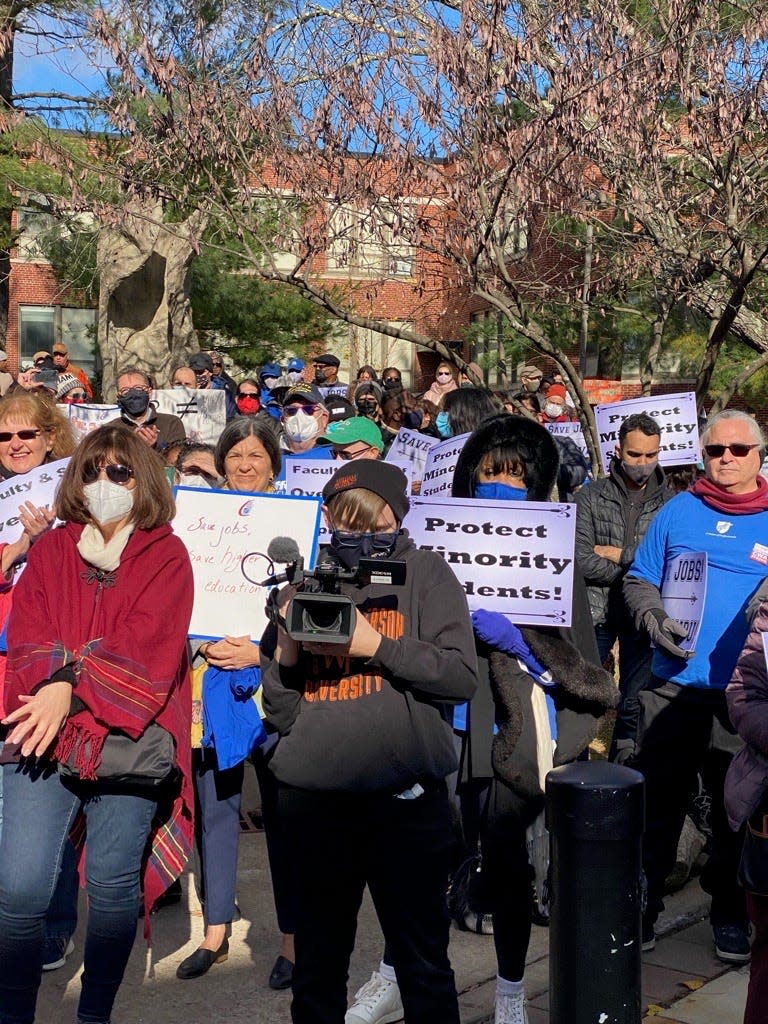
443, 377
193, 480
553, 410
294, 376
269, 382
106, 501
134, 401
247, 404
639, 474
348, 547
500, 492
442, 425
300, 427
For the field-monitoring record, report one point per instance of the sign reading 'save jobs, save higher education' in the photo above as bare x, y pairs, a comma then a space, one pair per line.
219, 528
677, 419
513, 557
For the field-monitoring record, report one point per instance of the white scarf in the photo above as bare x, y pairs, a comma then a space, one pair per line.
104, 555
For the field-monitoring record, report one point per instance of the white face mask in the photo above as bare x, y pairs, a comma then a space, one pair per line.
553, 410
193, 480
294, 376
106, 501
301, 427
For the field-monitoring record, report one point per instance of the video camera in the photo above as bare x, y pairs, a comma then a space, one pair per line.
319, 612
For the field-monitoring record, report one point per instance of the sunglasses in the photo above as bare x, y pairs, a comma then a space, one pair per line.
247, 394
291, 410
23, 435
116, 473
346, 456
740, 451
391, 380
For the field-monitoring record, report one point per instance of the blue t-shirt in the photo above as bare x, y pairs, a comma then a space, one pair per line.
734, 573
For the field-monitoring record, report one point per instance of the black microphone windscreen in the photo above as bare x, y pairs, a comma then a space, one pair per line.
283, 550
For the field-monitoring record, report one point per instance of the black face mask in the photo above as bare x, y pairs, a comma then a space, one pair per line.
392, 382
320, 376
348, 548
368, 409
134, 402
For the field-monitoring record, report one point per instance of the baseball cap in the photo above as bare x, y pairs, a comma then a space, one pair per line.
531, 371
295, 365
356, 428
270, 370
42, 354
303, 389
379, 477
200, 361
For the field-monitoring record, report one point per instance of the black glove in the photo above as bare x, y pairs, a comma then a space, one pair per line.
664, 631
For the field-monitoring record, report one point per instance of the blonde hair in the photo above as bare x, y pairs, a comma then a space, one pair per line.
358, 508
44, 414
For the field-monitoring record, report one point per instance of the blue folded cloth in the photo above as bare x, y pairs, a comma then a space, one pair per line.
231, 722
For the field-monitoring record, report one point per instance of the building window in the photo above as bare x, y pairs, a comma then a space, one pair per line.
368, 243
41, 326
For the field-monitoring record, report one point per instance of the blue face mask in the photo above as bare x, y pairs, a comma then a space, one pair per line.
500, 492
442, 425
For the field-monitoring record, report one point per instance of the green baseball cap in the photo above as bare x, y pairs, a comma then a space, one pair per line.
355, 428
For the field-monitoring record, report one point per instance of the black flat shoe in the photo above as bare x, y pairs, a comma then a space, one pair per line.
201, 961
282, 973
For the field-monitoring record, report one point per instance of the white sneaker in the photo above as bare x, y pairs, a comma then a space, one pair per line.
377, 1002
510, 1009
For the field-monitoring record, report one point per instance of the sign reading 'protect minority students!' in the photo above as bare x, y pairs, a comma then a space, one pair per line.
513, 557
677, 419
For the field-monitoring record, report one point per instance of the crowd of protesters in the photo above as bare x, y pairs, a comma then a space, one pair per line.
124, 741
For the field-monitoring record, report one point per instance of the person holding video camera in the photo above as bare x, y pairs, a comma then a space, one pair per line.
365, 747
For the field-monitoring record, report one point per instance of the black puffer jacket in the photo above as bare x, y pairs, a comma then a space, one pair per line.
605, 516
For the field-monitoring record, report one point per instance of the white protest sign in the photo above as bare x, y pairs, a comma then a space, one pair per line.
437, 478
513, 557
683, 592
203, 412
410, 446
574, 431
676, 416
218, 529
309, 477
38, 486
85, 418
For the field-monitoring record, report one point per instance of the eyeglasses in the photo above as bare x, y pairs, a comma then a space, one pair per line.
291, 410
740, 451
134, 387
218, 364
23, 435
345, 455
116, 473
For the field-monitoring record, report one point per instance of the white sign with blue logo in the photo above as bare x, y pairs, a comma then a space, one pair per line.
222, 528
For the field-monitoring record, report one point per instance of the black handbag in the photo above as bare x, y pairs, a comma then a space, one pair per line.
148, 761
753, 866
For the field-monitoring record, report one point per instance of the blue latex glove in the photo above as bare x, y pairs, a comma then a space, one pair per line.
497, 631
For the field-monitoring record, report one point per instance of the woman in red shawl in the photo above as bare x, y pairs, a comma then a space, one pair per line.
100, 649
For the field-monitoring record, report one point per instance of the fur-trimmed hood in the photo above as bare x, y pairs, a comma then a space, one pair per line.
535, 444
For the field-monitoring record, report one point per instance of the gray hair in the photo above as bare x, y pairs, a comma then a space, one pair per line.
138, 372
734, 414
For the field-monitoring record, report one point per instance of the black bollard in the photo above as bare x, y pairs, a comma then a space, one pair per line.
595, 815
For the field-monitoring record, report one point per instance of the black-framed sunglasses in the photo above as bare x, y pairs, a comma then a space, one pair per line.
23, 435
740, 451
116, 473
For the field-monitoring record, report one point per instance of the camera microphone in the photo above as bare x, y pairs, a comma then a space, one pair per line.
283, 550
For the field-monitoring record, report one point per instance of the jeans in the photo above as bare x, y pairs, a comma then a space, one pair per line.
61, 919
39, 809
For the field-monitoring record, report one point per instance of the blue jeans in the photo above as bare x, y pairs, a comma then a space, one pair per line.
38, 810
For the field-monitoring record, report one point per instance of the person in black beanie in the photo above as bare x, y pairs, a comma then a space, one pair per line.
365, 747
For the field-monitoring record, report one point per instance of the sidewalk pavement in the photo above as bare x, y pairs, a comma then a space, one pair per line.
683, 983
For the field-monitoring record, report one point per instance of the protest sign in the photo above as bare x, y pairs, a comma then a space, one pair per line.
85, 418
410, 446
574, 431
38, 486
219, 528
683, 592
203, 412
513, 557
676, 416
437, 477
309, 477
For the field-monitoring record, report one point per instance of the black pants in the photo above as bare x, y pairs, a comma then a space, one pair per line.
635, 657
684, 731
401, 849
